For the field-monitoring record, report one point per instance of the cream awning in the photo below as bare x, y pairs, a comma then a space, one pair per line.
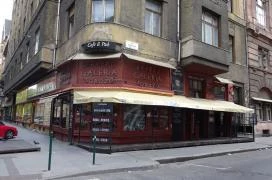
126, 97
261, 99
83, 56
223, 80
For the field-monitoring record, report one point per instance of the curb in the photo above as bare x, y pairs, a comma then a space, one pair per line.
12, 151
139, 168
188, 158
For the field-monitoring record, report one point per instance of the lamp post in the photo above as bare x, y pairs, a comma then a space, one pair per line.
51, 134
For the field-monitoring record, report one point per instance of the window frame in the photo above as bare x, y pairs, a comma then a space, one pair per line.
37, 41
192, 90
263, 9
104, 12
71, 20
152, 19
214, 25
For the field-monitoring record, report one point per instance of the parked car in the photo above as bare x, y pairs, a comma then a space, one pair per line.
7, 132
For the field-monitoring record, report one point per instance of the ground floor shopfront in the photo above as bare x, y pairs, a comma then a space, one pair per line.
115, 117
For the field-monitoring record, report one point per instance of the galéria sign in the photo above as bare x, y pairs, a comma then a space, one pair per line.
95, 47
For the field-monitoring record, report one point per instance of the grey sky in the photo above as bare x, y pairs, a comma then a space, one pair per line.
5, 12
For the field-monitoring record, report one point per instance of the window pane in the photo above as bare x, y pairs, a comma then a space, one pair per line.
109, 10
215, 37
134, 118
208, 18
98, 11
148, 22
157, 24
208, 34
153, 5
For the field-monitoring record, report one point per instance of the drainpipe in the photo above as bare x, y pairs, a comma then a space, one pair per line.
178, 33
57, 35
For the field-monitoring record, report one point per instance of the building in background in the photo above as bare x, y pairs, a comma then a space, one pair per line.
126, 74
259, 58
5, 110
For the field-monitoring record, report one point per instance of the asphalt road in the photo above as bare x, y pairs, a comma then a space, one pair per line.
256, 165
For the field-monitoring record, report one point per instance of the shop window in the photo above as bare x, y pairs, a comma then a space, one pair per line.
260, 12
84, 122
196, 88
39, 113
134, 118
102, 10
160, 118
27, 113
263, 57
210, 28
71, 20
153, 11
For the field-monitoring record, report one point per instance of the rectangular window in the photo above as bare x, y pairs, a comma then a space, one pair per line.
260, 12
71, 20
153, 13
134, 118
27, 52
21, 61
160, 118
196, 88
102, 10
231, 56
238, 95
39, 113
230, 8
210, 28
263, 57
37, 40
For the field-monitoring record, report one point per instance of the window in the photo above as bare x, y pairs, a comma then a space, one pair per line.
231, 56
230, 7
39, 113
27, 52
209, 28
219, 92
260, 12
263, 57
160, 119
37, 39
21, 61
196, 88
103, 10
238, 95
134, 118
153, 17
71, 20
31, 8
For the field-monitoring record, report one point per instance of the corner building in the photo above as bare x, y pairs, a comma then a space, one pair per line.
135, 72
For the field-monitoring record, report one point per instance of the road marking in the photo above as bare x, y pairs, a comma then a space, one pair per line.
211, 167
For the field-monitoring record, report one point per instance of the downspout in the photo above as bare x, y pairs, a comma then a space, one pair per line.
56, 36
178, 34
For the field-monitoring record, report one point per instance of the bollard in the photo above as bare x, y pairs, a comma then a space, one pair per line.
50, 149
94, 141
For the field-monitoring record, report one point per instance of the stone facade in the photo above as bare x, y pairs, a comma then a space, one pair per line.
259, 36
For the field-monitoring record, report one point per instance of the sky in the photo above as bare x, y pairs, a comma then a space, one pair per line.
5, 12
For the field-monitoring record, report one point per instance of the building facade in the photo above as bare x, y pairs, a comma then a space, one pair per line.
127, 74
259, 59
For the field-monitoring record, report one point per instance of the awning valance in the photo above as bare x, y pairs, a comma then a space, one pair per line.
261, 99
126, 97
224, 81
83, 56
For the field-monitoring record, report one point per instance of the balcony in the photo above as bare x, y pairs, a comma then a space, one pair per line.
34, 70
199, 57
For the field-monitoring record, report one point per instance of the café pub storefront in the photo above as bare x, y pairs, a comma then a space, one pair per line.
126, 99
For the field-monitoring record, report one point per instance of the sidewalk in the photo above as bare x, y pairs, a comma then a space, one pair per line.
69, 161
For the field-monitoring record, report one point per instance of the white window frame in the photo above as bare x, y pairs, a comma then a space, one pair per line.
214, 25
104, 11
151, 24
